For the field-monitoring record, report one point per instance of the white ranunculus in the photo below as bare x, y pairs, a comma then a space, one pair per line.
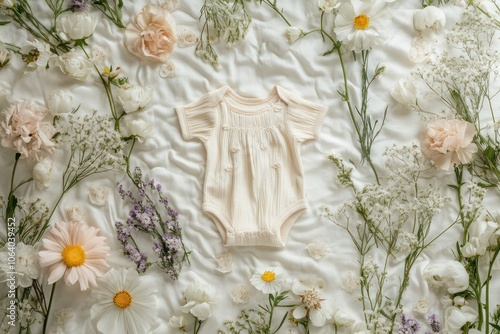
60, 102
456, 318
293, 34
199, 296
74, 65
451, 274
405, 92
42, 172
133, 98
77, 25
430, 18
473, 248
138, 127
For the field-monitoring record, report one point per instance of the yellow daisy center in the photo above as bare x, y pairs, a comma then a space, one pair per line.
361, 22
122, 299
73, 256
268, 276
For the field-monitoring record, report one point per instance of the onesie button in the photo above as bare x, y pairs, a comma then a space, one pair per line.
277, 107
234, 149
229, 168
276, 165
225, 127
278, 125
263, 147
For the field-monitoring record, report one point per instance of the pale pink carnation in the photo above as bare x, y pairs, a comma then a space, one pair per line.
75, 251
152, 34
25, 131
449, 142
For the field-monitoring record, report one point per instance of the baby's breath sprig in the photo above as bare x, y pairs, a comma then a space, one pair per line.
436, 3
224, 20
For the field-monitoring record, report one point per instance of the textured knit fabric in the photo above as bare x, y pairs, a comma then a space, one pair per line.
253, 187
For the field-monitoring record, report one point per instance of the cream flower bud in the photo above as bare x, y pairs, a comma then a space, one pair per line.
133, 98
74, 65
176, 322
293, 34
60, 102
42, 172
77, 25
405, 92
429, 18
186, 37
74, 213
139, 128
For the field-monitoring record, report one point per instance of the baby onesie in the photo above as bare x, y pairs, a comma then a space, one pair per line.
253, 187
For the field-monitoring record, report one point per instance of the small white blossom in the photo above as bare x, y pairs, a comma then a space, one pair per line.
473, 248
186, 37
293, 34
312, 305
421, 306
76, 25
133, 98
349, 282
459, 301
42, 173
169, 5
341, 318
176, 322
328, 5
99, 54
64, 315
167, 70
317, 249
74, 213
98, 194
240, 294
60, 102
405, 92
431, 18
37, 56
224, 262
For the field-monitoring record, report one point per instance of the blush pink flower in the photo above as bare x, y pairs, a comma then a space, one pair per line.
25, 131
75, 251
152, 34
449, 142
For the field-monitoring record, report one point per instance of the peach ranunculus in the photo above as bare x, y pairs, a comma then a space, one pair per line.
152, 34
449, 142
25, 131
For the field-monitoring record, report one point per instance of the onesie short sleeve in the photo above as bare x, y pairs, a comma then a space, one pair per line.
304, 117
198, 119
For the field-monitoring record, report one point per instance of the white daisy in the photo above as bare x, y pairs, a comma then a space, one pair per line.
359, 25
268, 280
125, 304
311, 303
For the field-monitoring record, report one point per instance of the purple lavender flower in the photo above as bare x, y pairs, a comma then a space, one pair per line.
435, 325
78, 5
408, 325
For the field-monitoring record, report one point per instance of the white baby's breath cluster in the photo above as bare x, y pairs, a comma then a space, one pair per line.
473, 205
31, 215
344, 170
94, 146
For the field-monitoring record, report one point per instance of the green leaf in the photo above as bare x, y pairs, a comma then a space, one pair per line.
490, 154
2, 23
497, 327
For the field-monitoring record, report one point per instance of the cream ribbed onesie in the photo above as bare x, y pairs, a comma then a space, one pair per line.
253, 186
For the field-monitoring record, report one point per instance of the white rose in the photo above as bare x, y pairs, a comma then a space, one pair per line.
74, 65
133, 98
429, 18
77, 25
186, 37
42, 172
293, 34
405, 92
139, 128
60, 102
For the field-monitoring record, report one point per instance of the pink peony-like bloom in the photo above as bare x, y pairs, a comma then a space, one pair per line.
75, 251
25, 131
449, 142
152, 34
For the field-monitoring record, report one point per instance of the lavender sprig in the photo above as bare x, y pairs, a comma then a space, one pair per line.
145, 216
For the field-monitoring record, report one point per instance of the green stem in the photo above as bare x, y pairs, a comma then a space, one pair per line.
273, 6
45, 321
488, 280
